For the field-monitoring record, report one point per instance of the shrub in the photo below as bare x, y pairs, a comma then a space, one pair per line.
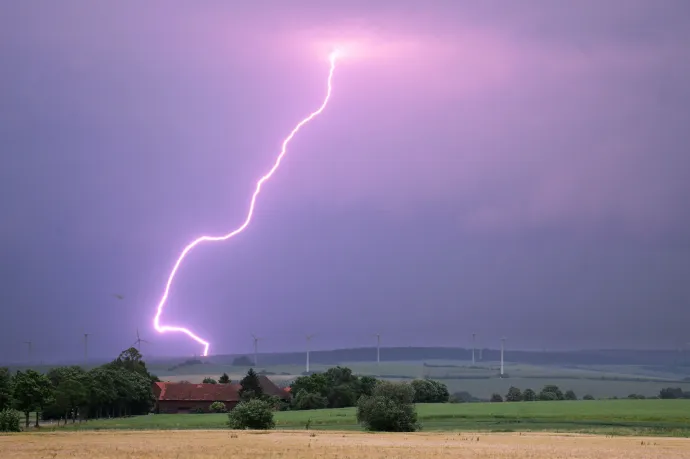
548, 396
514, 395
429, 391
253, 414
10, 421
529, 395
551, 389
378, 413
388, 409
309, 401
218, 407
209, 381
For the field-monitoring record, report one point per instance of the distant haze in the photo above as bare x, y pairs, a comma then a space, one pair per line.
514, 169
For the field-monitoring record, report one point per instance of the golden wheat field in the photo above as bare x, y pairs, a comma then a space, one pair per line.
305, 445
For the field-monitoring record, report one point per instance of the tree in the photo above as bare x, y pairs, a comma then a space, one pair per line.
72, 393
547, 396
587, 397
338, 385
390, 408
254, 414
570, 395
209, 381
557, 394
5, 389
342, 387
132, 360
671, 392
250, 386
32, 392
495, 398
316, 383
224, 379
429, 391
514, 395
342, 396
309, 401
367, 385
102, 391
529, 395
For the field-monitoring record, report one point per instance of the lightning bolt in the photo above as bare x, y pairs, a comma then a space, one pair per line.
168, 328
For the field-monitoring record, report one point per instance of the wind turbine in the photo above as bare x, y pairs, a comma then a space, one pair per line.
256, 349
378, 349
86, 347
30, 348
503, 343
309, 337
474, 346
138, 342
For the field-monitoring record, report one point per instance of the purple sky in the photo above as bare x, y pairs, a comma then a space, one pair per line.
499, 167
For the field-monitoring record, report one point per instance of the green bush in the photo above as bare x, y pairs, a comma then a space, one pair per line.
218, 407
10, 421
389, 409
309, 401
255, 414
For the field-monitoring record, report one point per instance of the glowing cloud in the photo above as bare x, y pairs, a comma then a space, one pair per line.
161, 304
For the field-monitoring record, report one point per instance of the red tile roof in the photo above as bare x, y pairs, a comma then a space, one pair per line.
212, 392
199, 392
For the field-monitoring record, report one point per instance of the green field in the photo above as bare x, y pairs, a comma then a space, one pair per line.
652, 417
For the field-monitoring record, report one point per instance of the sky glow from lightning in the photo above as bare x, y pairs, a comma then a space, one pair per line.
168, 328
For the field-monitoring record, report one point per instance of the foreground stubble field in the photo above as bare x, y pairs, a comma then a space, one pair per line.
306, 445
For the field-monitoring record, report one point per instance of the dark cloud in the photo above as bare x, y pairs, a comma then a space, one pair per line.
508, 169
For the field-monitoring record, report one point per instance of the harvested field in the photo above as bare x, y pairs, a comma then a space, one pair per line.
305, 445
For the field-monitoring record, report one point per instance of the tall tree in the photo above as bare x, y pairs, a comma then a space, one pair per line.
102, 391
32, 392
5, 388
250, 386
514, 395
71, 394
224, 379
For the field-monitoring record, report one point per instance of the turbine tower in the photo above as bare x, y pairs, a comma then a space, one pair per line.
503, 343
309, 337
256, 349
30, 348
378, 350
138, 342
474, 346
86, 347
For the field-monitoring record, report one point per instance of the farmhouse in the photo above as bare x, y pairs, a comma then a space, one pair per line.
188, 398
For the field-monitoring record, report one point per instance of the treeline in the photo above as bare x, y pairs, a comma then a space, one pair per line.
118, 388
338, 387
552, 392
